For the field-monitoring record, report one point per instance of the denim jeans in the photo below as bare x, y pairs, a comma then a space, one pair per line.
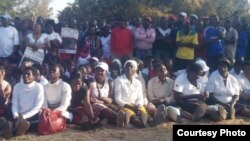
143, 54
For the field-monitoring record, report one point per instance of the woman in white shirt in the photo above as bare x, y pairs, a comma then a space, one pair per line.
57, 92
224, 90
129, 96
27, 100
37, 40
189, 92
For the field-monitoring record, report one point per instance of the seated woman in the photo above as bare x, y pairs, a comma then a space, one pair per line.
101, 94
129, 96
80, 106
224, 91
57, 92
189, 92
27, 101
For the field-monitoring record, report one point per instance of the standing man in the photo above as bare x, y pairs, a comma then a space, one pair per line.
9, 40
144, 39
121, 40
230, 41
213, 37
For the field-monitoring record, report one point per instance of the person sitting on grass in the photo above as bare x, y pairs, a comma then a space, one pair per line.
27, 100
224, 91
129, 96
189, 92
101, 94
160, 93
57, 92
83, 113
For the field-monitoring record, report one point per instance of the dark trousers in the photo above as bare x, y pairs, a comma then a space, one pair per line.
180, 64
191, 106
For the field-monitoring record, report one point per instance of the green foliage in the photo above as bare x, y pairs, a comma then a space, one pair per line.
109, 9
26, 8
8, 6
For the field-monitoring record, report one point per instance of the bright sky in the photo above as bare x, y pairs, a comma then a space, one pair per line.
59, 5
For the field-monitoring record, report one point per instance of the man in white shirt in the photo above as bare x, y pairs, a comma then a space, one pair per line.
160, 87
129, 96
160, 93
189, 92
27, 101
57, 92
9, 39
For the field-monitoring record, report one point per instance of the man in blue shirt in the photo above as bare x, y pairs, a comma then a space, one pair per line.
213, 36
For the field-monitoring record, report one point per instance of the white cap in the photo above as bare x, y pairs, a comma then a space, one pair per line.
6, 16
103, 65
95, 58
203, 65
184, 14
194, 16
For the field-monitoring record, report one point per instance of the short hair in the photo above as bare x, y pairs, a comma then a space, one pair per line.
157, 66
32, 69
156, 62
76, 75
194, 67
38, 67
61, 69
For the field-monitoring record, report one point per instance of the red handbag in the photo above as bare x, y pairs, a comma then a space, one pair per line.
50, 122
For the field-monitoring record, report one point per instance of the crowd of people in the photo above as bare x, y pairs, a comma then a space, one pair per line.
129, 74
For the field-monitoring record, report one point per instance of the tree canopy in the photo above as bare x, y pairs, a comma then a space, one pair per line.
109, 9
26, 8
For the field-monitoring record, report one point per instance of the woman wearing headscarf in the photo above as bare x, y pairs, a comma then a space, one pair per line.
129, 96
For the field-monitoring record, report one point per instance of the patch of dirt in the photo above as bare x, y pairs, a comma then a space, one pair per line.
162, 132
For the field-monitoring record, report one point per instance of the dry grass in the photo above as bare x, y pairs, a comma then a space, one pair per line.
162, 132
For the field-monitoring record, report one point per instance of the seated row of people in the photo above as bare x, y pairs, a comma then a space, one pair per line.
126, 100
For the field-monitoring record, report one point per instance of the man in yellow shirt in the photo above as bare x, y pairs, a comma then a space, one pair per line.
186, 40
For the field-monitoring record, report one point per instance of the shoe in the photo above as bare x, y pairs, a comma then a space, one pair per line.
162, 108
137, 122
22, 126
121, 116
158, 118
7, 128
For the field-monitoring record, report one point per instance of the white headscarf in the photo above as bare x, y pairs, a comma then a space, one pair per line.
134, 63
